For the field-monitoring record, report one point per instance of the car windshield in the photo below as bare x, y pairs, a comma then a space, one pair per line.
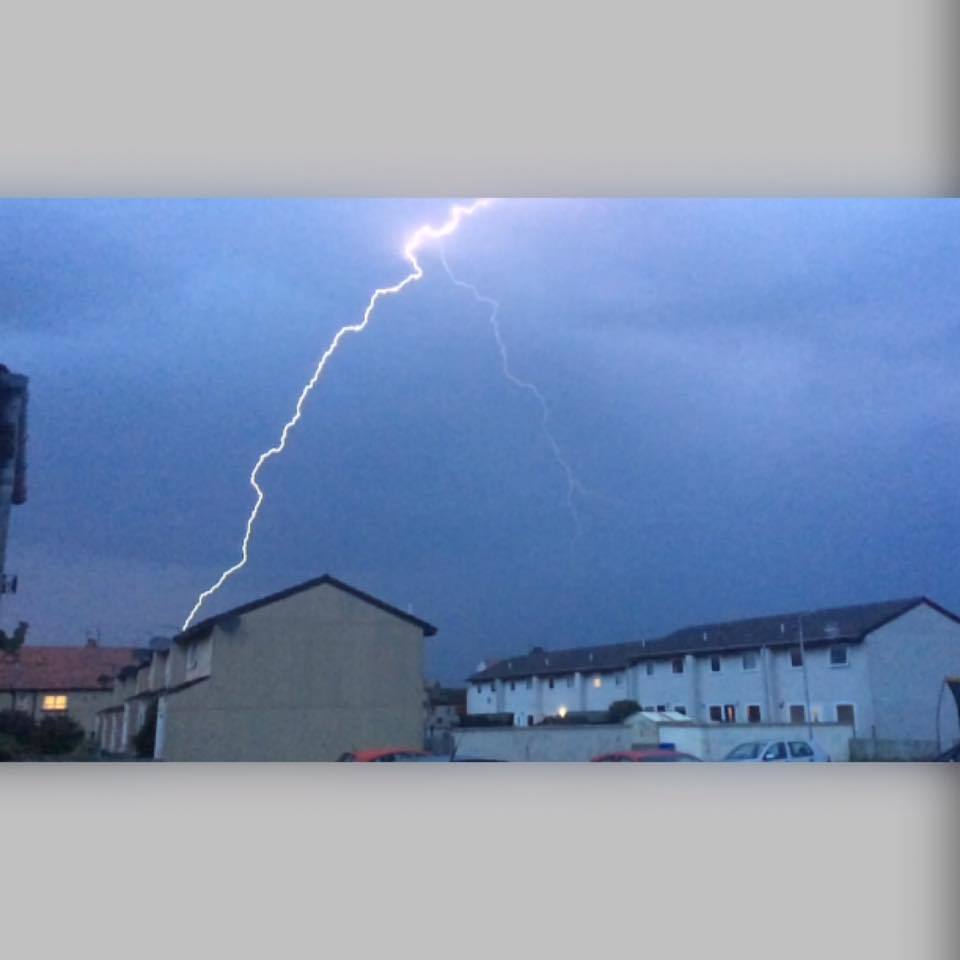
746, 751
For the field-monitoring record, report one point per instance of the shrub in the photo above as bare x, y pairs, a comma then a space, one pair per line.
621, 709
56, 735
17, 725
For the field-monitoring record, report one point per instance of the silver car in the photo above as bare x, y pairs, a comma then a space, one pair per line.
786, 751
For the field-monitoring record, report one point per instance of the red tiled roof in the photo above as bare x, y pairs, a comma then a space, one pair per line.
64, 668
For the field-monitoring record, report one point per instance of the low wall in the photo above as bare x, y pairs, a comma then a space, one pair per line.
549, 743
713, 741
863, 749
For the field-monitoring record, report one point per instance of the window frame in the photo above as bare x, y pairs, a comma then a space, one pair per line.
799, 653
649, 668
716, 663
743, 661
57, 706
796, 706
675, 663
759, 712
853, 713
711, 707
846, 655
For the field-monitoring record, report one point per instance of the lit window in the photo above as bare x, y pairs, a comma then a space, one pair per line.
749, 661
650, 668
561, 712
715, 664
55, 701
838, 655
796, 657
597, 682
753, 713
678, 664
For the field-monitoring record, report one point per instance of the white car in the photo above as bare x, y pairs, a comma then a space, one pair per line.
786, 751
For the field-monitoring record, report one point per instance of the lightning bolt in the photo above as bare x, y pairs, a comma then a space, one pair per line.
421, 236
574, 485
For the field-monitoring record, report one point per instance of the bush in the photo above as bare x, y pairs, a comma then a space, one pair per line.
56, 735
621, 709
17, 725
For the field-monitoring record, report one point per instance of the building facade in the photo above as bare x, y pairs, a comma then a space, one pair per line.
879, 668
76, 682
305, 674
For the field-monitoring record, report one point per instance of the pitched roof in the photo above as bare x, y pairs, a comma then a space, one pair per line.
851, 623
203, 627
89, 667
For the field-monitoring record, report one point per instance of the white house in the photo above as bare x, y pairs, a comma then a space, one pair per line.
879, 667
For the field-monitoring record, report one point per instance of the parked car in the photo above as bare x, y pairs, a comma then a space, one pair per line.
645, 756
456, 758
788, 751
391, 755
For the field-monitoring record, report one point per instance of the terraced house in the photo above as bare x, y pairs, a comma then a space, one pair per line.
308, 673
878, 666
74, 681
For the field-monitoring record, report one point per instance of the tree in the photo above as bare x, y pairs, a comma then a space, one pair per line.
13, 642
621, 709
56, 735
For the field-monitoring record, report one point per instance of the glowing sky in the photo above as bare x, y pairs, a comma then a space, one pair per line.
763, 396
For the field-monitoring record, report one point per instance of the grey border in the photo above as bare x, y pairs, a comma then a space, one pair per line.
740, 98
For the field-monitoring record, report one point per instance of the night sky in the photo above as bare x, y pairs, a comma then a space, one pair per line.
761, 398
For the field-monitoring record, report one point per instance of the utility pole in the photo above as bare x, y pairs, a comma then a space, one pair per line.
806, 681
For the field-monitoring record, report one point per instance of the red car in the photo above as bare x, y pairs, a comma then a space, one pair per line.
646, 756
391, 755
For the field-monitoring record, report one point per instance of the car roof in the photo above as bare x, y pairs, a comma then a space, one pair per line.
640, 755
376, 754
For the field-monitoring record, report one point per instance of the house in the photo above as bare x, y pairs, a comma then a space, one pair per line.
308, 673
73, 681
877, 667
445, 706
13, 461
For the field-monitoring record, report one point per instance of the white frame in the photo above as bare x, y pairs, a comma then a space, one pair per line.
846, 655
719, 659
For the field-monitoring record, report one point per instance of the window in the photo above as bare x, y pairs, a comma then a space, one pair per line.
529, 683
716, 714
550, 683
800, 749
529, 720
729, 713
661, 707
569, 681
838, 655
776, 751
55, 701
797, 713
648, 709
846, 714
649, 668
753, 713
680, 708
715, 664
513, 685
597, 681
796, 657
618, 679
678, 664
749, 661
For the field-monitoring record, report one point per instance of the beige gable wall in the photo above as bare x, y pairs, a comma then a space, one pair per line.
304, 678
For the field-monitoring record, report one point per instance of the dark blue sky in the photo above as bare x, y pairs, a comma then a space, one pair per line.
761, 395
